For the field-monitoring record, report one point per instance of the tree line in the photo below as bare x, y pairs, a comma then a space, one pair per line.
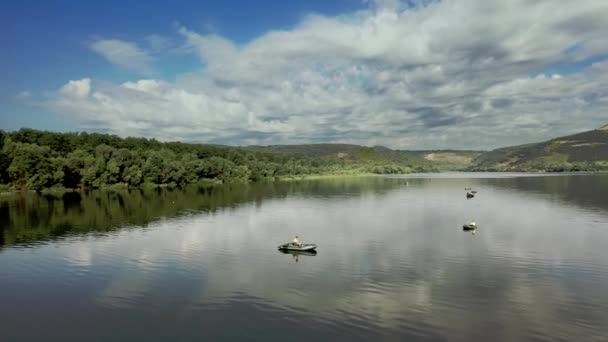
36, 160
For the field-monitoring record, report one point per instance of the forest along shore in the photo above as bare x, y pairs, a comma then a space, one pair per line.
39, 160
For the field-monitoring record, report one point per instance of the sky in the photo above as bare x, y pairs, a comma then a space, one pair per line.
416, 74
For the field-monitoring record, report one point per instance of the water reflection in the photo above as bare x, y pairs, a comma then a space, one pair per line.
28, 218
585, 191
393, 264
296, 254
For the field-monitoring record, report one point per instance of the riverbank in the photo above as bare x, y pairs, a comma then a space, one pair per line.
8, 189
326, 176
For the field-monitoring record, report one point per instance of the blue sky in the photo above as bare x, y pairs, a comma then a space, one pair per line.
406, 74
48, 40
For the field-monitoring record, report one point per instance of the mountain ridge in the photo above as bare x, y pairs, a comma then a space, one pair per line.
442, 160
584, 151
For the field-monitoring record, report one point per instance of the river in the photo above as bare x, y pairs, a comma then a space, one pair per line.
393, 261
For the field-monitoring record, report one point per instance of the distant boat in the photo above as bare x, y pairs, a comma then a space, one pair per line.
302, 247
470, 195
470, 226
467, 188
474, 191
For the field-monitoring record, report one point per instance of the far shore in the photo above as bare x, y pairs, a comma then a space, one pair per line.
121, 186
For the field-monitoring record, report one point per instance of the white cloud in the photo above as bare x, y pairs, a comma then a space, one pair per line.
78, 89
458, 74
125, 54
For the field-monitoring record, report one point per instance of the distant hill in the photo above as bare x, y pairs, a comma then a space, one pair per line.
586, 151
309, 150
448, 160
440, 160
347, 153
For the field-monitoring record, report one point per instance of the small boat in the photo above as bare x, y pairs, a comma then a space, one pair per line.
301, 247
470, 195
474, 192
470, 226
467, 188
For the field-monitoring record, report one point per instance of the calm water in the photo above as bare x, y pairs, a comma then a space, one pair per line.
393, 262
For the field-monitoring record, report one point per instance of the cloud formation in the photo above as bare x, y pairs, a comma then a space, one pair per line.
440, 74
126, 54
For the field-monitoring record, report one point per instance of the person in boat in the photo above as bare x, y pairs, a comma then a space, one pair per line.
296, 241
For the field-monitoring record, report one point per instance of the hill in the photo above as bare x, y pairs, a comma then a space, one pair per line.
438, 160
586, 151
341, 151
448, 160
379, 158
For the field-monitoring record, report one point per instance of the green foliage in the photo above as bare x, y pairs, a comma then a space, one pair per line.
5, 162
5, 188
31, 166
36, 160
3, 135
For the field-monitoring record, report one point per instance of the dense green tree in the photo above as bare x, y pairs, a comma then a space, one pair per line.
2, 136
240, 173
5, 162
27, 135
31, 159
31, 166
57, 169
60, 143
111, 174
83, 169
158, 165
216, 167
133, 175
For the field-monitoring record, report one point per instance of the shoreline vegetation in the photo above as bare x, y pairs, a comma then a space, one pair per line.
42, 161
6, 190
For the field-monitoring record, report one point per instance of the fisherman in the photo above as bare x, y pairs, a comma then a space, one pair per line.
296, 242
